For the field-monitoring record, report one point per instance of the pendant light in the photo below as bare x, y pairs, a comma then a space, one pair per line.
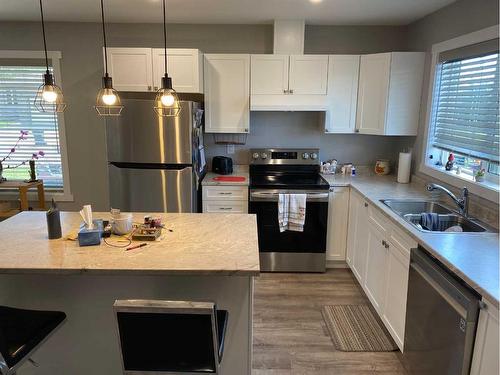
108, 101
49, 97
166, 101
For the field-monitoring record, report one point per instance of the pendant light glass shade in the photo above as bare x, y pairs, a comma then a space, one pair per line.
108, 101
167, 102
49, 96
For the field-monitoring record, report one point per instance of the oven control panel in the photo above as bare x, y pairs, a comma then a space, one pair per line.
307, 156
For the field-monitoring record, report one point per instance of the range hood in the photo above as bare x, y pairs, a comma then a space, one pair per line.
288, 80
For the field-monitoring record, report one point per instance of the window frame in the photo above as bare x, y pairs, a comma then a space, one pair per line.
486, 190
55, 59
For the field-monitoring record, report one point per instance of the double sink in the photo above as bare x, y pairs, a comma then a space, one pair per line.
444, 218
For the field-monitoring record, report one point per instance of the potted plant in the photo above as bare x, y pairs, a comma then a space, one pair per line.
22, 136
479, 176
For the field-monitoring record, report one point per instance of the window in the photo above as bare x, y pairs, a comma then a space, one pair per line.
18, 86
465, 117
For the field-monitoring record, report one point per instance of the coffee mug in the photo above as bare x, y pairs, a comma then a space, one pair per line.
122, 224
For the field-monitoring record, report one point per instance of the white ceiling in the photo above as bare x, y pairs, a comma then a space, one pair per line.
322, 12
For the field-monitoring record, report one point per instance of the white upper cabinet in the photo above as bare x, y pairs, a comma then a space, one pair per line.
269, 74
289, 83
343, 74
141, 69
185, 66
389, 92
131, 68
227, 93
308, 74
338, 212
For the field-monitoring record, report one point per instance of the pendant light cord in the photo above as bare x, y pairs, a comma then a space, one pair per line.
104, 38
165, 34
44, 40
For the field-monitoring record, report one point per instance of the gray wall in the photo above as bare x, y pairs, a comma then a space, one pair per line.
81, 43
459, 18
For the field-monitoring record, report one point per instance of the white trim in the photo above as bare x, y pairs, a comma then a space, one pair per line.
54, 57
461, 41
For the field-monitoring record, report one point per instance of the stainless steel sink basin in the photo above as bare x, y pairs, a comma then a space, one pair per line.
412, 212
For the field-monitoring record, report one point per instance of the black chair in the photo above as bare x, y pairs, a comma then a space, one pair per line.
170, 337
22, 332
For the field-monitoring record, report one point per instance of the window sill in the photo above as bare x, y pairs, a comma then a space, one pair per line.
486, 189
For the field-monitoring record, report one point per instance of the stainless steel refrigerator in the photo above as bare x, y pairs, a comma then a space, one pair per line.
155, 163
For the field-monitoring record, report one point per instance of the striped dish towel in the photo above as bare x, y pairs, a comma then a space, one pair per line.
292, 212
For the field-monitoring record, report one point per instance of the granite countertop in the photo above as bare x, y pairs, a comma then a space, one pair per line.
199, 244
209, 179
474, 257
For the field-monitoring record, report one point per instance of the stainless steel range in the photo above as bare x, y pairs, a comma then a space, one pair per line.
275, 171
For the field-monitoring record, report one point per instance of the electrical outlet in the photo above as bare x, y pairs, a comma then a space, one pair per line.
230, 149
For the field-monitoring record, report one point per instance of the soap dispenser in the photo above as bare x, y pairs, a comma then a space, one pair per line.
54, 222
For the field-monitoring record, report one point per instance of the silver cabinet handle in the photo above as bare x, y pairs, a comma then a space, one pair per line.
356, 130
366, 204
149, 88
384, 243
225, 193
387, 245
290, 91
285, 91
156, 88
225, 208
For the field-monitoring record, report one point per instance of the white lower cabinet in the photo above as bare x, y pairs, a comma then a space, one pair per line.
360, 240
376, 268
379, 256
338, 211
486, 346
226, 199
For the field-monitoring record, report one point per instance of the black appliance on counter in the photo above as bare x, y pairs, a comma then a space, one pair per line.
222, 165
275, 171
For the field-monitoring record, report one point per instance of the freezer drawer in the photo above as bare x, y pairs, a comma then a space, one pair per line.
153, 190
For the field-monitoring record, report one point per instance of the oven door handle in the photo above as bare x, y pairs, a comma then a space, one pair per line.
273, 196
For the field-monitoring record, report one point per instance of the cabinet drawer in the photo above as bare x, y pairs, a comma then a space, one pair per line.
225, 193
226, 207
402, 241
379, 220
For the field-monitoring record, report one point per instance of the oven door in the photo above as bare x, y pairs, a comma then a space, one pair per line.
291, 251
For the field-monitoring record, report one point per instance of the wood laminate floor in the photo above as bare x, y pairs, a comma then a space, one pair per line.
290, 336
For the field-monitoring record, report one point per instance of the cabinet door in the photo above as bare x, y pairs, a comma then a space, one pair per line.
227, 93
373, 92
343, 74
184, 66
269, 74
308, 74
394, 316
376, 268
354, 202
131, 69
338, 211
486, 347
360, 241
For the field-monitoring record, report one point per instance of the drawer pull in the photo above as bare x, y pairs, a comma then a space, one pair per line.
225, 208
225, 193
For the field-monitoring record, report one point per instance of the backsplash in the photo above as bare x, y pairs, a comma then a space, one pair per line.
304, 129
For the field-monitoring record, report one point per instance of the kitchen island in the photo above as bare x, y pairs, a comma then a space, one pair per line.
209, 257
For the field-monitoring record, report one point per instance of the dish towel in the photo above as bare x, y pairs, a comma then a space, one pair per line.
430, 221
292, 212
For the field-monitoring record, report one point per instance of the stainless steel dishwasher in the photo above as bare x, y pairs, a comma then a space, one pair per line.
441, 317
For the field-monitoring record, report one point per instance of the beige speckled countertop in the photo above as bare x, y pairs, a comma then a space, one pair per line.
199, 244
474, 257
209, 179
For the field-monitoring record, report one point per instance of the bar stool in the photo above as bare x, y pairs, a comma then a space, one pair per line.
170, 337
22, 332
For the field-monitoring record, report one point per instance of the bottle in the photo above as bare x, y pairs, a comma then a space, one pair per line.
54, 222
449, 163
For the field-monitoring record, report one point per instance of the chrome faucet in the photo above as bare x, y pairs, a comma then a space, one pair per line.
462, 201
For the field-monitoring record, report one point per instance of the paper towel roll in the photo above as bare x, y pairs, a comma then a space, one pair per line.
404, 167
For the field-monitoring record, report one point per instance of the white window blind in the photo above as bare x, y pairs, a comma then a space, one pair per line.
465, 113
18, 86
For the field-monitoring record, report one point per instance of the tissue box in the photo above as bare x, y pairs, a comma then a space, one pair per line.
89, 237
